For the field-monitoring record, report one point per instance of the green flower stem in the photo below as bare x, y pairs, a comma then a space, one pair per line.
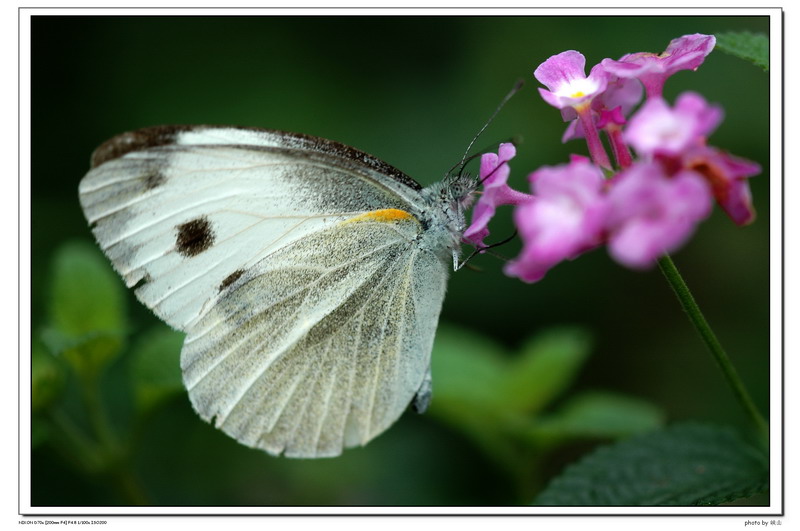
129, 485
116, 455
76, 444
97, 414
696, 317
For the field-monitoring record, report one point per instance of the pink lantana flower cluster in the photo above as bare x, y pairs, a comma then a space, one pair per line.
641, 207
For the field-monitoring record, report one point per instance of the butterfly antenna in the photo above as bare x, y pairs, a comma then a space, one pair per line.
479, 250
515, 140
514, 90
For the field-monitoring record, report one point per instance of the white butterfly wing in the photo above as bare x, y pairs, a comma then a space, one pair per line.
290, 262
323, 345
184, 209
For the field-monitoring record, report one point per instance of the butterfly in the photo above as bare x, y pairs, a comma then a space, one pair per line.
307, 275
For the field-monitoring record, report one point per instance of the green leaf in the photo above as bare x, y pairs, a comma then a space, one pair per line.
468, 371
546, 366
753, 47
688, 464
86, 294
156, 368
602, 415
468, 367
489, 394
86, 308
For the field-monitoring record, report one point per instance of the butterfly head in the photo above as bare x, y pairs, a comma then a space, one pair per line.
446, 204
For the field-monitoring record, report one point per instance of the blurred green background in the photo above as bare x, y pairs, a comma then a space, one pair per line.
412, 91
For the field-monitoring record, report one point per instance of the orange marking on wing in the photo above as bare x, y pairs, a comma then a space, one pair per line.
386, 215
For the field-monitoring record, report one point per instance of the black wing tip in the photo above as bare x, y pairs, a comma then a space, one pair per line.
138, 140
163, 135
149, 137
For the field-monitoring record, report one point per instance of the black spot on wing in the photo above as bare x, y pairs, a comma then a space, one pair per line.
194, 237
153, 179
230, 279
142, 281
136, 141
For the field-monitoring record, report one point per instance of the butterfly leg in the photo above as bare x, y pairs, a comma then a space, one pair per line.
423, 397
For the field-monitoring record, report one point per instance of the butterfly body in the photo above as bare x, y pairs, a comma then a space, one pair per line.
307, 275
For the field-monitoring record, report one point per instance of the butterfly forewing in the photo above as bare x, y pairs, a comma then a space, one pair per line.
184, 217
291, 262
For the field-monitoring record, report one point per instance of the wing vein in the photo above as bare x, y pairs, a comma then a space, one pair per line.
277, 354
379, 367
323, 272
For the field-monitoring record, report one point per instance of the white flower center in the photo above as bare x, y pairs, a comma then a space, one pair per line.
578, 88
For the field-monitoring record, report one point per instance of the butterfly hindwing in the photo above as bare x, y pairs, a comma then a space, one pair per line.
312, 355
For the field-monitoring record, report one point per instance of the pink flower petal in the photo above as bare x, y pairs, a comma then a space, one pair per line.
658, 129
613, 116
652, 214
565, 219
494, 172
566, 81
684, 53
727, 176
620, 92
561, 69
689, 51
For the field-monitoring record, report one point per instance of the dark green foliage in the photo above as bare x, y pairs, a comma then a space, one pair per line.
155, 366
86, 309
753, 47
687, 464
